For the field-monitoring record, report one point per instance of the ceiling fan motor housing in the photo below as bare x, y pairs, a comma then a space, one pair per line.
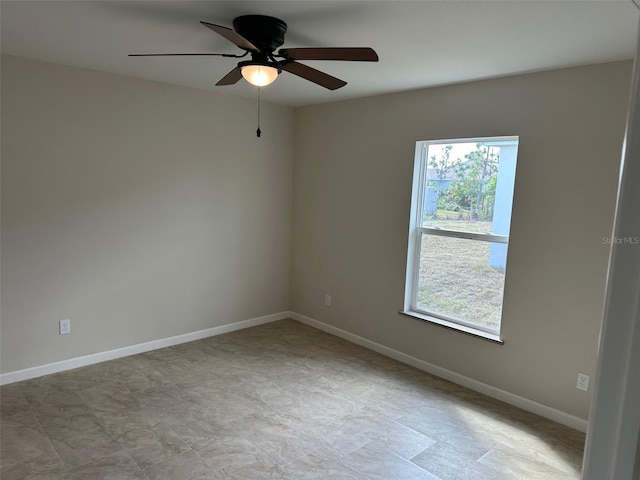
266, 33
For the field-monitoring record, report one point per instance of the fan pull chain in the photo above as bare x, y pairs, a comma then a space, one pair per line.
258, 131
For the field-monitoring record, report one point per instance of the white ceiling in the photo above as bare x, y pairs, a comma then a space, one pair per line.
420, 43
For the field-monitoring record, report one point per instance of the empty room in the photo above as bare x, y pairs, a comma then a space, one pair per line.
316, 240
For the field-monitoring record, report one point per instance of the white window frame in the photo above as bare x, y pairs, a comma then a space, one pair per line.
416, 230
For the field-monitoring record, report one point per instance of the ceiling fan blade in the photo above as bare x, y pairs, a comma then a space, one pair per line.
181, 55
232, 36
230, 78
352, 54
316, 76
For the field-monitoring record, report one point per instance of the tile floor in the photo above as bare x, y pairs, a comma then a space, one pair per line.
278, 401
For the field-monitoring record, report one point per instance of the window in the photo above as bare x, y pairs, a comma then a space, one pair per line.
459, 232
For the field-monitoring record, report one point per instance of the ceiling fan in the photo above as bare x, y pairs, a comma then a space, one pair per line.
260, 36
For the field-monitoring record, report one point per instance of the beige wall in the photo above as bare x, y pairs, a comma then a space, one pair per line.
352, 186
138, 210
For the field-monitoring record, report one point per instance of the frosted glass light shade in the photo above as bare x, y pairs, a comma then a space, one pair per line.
259, 75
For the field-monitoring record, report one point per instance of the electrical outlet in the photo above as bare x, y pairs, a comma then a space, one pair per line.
65, 327
583, 382
327, 300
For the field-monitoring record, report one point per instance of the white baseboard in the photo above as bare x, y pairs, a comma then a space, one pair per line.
486, 389
63, 365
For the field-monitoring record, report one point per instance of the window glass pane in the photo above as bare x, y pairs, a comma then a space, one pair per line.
462, 279
468, 186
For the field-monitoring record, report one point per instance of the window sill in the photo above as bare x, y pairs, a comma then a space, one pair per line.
454, 326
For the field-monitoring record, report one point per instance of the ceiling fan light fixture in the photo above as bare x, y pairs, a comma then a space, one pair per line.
259, 75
